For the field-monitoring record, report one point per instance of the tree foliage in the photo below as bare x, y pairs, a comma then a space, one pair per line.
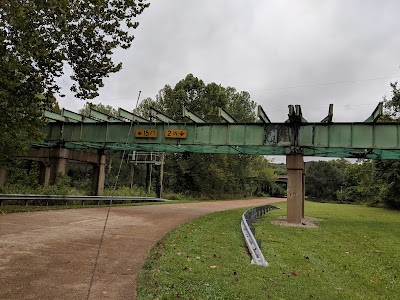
38, 40
323, 180
392, 105
373, 182
107, 109
389, 171
210, 174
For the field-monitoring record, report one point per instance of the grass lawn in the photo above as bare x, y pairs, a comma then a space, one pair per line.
354, 254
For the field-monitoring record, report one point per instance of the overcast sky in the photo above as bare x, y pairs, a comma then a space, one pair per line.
310, 53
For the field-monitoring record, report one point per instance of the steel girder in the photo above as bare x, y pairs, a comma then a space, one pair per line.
357, 140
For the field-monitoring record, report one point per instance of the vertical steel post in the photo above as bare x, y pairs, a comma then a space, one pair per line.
304, 190
161, 175
148, 177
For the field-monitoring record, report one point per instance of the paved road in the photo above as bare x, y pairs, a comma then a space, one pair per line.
50, 255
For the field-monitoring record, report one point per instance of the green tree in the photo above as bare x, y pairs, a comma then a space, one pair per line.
107, 109
38, 40
323, 180
210, 175
392, 105
361, 184
388, 172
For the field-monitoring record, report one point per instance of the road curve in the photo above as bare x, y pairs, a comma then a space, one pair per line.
50, 255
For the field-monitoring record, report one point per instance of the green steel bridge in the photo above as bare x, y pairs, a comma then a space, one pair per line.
128, 131
295, 138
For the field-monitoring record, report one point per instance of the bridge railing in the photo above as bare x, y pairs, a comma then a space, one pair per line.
248, 230
48, 199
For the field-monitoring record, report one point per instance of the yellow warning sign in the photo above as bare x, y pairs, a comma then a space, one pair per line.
176, 134
146, 133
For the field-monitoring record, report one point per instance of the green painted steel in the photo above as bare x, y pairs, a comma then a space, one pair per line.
222, 113
192, 116
262, 115
160, 116
359, 140
103, 116
376, 113
56, 117
77, 117
122, 113
329, 117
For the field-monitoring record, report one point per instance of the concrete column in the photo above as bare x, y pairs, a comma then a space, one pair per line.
99, 175
295, 194
44, 173
3, 176
58, 166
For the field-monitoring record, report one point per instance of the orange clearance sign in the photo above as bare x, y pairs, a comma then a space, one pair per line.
146, 133
176, 134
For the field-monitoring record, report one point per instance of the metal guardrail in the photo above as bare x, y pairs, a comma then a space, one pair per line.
248, 218
66, 199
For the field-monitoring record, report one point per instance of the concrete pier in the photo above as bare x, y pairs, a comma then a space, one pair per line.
295, 189
53, 162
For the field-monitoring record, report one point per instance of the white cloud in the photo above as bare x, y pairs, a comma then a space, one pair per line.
262, 45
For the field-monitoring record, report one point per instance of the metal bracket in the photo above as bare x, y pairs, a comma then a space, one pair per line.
56, 117
295, 115
222, 113
376, 114
328, 118
103, 116
262, 115
77, 117
160, 116
192, 116
122, 113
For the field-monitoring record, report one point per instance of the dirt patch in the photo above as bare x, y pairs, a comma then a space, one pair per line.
307, 222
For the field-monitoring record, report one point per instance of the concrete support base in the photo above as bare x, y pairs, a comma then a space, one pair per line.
44, 173
58, 167
53, 161
295, 188
99, 175
3, 176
